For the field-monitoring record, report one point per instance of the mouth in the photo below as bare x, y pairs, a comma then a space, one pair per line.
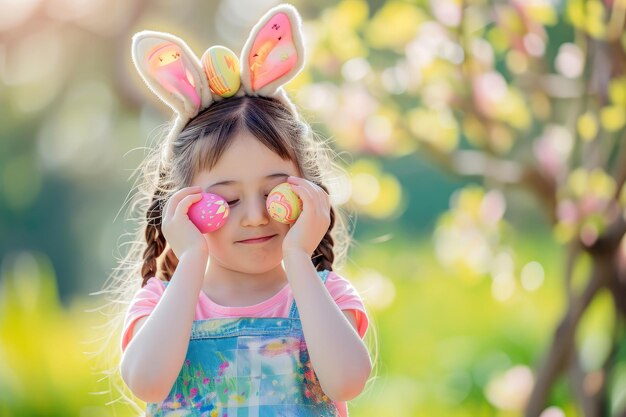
257, 240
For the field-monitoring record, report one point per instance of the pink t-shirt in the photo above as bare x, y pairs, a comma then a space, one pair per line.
339, 288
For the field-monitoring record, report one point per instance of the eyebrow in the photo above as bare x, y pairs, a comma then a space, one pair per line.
231, 182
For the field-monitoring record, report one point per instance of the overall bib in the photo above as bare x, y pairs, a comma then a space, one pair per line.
247, 367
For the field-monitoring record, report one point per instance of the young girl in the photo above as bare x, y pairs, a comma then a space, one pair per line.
248, 319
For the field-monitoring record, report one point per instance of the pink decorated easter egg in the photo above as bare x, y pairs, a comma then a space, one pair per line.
283, 204
210, 213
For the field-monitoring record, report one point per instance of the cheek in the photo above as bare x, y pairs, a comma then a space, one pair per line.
217, 238
218, 248
283, 228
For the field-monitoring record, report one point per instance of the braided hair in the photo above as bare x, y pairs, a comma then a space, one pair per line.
156, 242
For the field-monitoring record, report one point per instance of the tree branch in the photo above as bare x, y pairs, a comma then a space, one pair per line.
573, 252
560, 349
580, 382
619, 172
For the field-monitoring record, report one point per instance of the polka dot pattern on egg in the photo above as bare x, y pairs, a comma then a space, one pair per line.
210, 213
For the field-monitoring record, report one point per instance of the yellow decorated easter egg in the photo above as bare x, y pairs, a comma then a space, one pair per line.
283, 204
221, 66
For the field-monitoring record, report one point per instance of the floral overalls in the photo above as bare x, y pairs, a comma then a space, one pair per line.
247, 367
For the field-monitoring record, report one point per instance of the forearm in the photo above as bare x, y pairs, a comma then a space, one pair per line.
153, 358
338, 355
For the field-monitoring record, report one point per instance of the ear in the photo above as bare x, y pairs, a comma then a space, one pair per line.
274, 51
172, 71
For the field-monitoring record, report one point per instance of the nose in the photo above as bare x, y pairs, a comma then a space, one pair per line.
255, 213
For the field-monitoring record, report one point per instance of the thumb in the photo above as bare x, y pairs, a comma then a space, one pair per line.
185, 203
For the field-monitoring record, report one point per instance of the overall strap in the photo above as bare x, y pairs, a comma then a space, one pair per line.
293, 312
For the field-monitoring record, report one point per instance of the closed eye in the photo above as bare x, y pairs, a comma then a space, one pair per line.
233, 202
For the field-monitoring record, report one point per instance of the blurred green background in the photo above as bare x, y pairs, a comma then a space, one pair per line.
485, 148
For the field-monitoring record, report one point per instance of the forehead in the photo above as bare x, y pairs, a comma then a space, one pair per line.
246, 160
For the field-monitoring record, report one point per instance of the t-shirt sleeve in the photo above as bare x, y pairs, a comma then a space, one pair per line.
142, 305
347, 298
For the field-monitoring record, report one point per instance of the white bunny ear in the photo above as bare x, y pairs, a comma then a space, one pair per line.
274, 51
172, 71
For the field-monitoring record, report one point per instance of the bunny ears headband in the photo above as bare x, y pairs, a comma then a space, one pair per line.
271, 56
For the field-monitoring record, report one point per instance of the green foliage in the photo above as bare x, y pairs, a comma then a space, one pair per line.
441, 340
445, 338
44, 370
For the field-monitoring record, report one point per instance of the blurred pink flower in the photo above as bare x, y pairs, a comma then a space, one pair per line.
552, 150
567, 212
490, 89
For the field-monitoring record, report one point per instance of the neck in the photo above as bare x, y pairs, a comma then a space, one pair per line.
230, 287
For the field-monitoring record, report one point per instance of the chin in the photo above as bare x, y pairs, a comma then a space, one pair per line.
251, 263
255, 265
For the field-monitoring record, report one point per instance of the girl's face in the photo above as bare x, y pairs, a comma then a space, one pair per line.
244, 175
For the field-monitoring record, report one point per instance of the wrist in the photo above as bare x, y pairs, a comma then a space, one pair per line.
195, 255
295, 253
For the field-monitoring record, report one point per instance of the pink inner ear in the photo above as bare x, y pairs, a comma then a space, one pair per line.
167, 64
273, 52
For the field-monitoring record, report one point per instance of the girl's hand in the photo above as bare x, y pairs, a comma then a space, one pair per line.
181, 234
312, 224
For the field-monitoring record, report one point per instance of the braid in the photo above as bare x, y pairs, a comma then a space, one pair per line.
154, 238
169, 264
323, 256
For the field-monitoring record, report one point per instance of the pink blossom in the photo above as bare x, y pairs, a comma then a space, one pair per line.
590, 204
193, 392
206, 381
567, 212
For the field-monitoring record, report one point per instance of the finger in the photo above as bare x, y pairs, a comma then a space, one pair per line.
295, 180
320, 198
174, 200
309, 185
305, 195
185, 203
304, 183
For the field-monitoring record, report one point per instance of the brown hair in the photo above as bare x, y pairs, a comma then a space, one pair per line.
201, 144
